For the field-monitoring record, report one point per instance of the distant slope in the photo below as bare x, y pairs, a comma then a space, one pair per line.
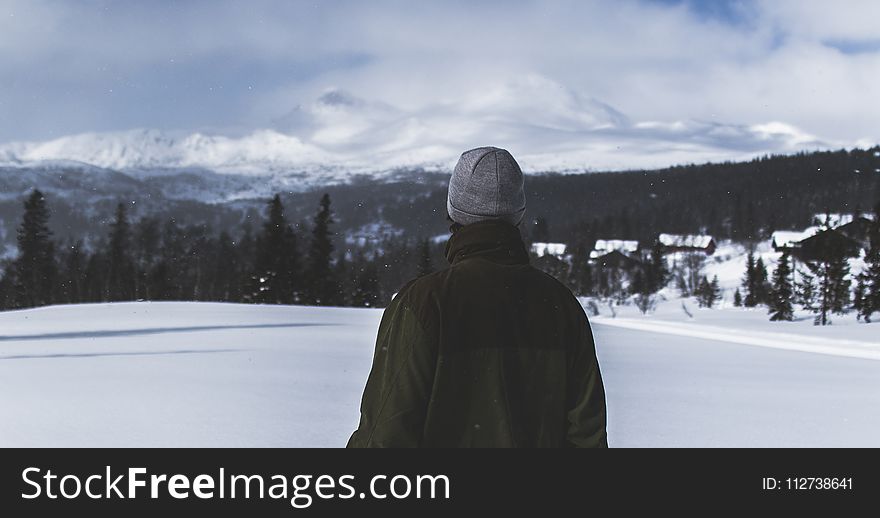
740, 201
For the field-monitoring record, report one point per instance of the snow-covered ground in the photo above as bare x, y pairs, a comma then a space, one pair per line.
680, 391
846, 336
197, 374
182, 374
728, 263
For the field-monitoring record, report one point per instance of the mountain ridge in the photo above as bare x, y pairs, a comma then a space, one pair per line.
546, 125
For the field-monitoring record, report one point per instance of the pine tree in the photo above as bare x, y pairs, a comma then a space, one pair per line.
35, 271
199, 248
343, 281
246, 245
749, 224
748, 282
869, 279
643, 290
6, 293
781, 292
323, 288
120, 267
147, 240
73, 263
737, 298
95, 278
227, 269
702, 292
290, 267
823, 304
365, 277
859, 299
274, 278
585, 279
761, 285
714, 291
841, 284
637, 284
168, 277
580, 275
708, 293
805, 290
831, 271
247, 252
425, 265
658, 272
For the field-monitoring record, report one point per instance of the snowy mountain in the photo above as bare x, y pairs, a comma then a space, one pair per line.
263, 151
545, 124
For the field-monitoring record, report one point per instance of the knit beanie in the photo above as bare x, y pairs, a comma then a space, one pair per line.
487, 183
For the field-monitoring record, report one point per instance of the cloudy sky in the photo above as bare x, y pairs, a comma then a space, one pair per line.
615, 83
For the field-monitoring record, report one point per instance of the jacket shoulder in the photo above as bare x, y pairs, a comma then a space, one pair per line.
554, 285
420, 297
565, 296
415, 290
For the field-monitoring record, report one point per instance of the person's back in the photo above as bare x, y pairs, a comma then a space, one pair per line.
488, 352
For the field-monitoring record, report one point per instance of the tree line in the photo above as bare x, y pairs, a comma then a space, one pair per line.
152, 259
741, 201
285, 263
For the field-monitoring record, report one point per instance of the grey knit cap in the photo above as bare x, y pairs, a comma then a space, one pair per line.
487, 183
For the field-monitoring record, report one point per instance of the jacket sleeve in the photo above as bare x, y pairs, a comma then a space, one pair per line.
586, 393
396, 396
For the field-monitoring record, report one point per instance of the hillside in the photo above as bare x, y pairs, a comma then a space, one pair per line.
741, 201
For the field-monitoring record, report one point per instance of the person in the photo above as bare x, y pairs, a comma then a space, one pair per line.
489, 352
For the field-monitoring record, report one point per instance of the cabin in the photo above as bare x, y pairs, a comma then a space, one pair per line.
859, 230
835, 220
687, 243
817, 247
606, 246
790, 239
856, 230
616, 259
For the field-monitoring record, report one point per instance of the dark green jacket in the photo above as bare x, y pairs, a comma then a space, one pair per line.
489, 352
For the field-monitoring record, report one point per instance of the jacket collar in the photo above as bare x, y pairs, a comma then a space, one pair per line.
494, 240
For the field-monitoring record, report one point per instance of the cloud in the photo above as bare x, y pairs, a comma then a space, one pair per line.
546, 125
604, 83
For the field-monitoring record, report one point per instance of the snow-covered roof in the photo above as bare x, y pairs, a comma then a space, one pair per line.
685, 241
835, 220
541, 249
604, 246
609, 245
788, 238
